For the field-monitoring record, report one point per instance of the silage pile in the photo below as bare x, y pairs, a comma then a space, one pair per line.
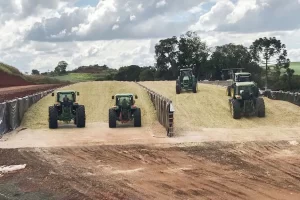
96, 96
209, 109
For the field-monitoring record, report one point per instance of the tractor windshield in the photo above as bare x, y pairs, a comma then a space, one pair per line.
124, 101
186, 73
249, 89
66, 96
244, 79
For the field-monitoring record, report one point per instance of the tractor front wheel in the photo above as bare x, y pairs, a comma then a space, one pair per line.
260, 107
53, 115
228, 92
112, 118
195, 88
137, 118
80, 117
235, 109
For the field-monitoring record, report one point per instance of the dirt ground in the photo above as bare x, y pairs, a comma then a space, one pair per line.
9, 93
252, 170
209, 158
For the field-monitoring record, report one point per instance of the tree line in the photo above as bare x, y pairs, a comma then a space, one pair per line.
266, 59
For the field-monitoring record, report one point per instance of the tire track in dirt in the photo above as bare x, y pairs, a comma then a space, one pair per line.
211, 171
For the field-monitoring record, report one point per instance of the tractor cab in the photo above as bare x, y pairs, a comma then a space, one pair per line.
124, 100
242, 77
244, 90
186, 74
66, 96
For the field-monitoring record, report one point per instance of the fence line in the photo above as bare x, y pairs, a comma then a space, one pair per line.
164, 110
12, 112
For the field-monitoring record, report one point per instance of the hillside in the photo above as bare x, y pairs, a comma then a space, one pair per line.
87, 73
11, 76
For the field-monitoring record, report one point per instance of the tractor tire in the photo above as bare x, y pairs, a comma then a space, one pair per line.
137, 118
112, 118
235, 109
53, 115
260, 107
228, 91
195, 88
80, 117
178, 89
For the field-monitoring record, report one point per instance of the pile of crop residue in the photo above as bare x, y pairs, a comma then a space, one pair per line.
209, 108
96, 96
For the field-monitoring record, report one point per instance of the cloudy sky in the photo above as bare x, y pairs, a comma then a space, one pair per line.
36, 34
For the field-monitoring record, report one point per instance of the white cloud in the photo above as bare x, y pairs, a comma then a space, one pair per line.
161, 3
132, 17
216, 16
115, 27
117, 33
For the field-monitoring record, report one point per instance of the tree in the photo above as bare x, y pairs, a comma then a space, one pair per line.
166, 56
128, 73
147, 74
263, 49
35, 72
61, 68
193, 53
233, 56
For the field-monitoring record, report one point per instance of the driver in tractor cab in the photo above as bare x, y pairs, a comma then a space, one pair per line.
66, 101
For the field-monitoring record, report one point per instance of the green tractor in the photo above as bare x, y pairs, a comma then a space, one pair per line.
124, 111
66, 109
246, 101
186, 81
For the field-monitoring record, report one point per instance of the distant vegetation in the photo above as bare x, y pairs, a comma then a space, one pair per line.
34, 79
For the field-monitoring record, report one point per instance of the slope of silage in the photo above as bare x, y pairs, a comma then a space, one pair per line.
96, 96
209, 109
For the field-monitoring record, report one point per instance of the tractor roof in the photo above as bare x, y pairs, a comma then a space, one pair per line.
245, 83
243, 73
186, 69
67, 91
124, 95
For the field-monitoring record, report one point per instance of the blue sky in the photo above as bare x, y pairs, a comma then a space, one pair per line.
81, 3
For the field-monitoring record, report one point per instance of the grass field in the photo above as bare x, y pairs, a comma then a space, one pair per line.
296, 67
81, 77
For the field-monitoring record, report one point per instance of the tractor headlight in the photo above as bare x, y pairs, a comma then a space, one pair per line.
238, 96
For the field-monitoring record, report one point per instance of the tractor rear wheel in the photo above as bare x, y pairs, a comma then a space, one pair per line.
80, 116
235, 109
112, 118
195, 87
228, 92
137, 118
260, 107
53, 115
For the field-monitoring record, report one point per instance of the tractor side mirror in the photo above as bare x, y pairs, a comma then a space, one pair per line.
136, 97
78, 93
112, 97
52, 94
